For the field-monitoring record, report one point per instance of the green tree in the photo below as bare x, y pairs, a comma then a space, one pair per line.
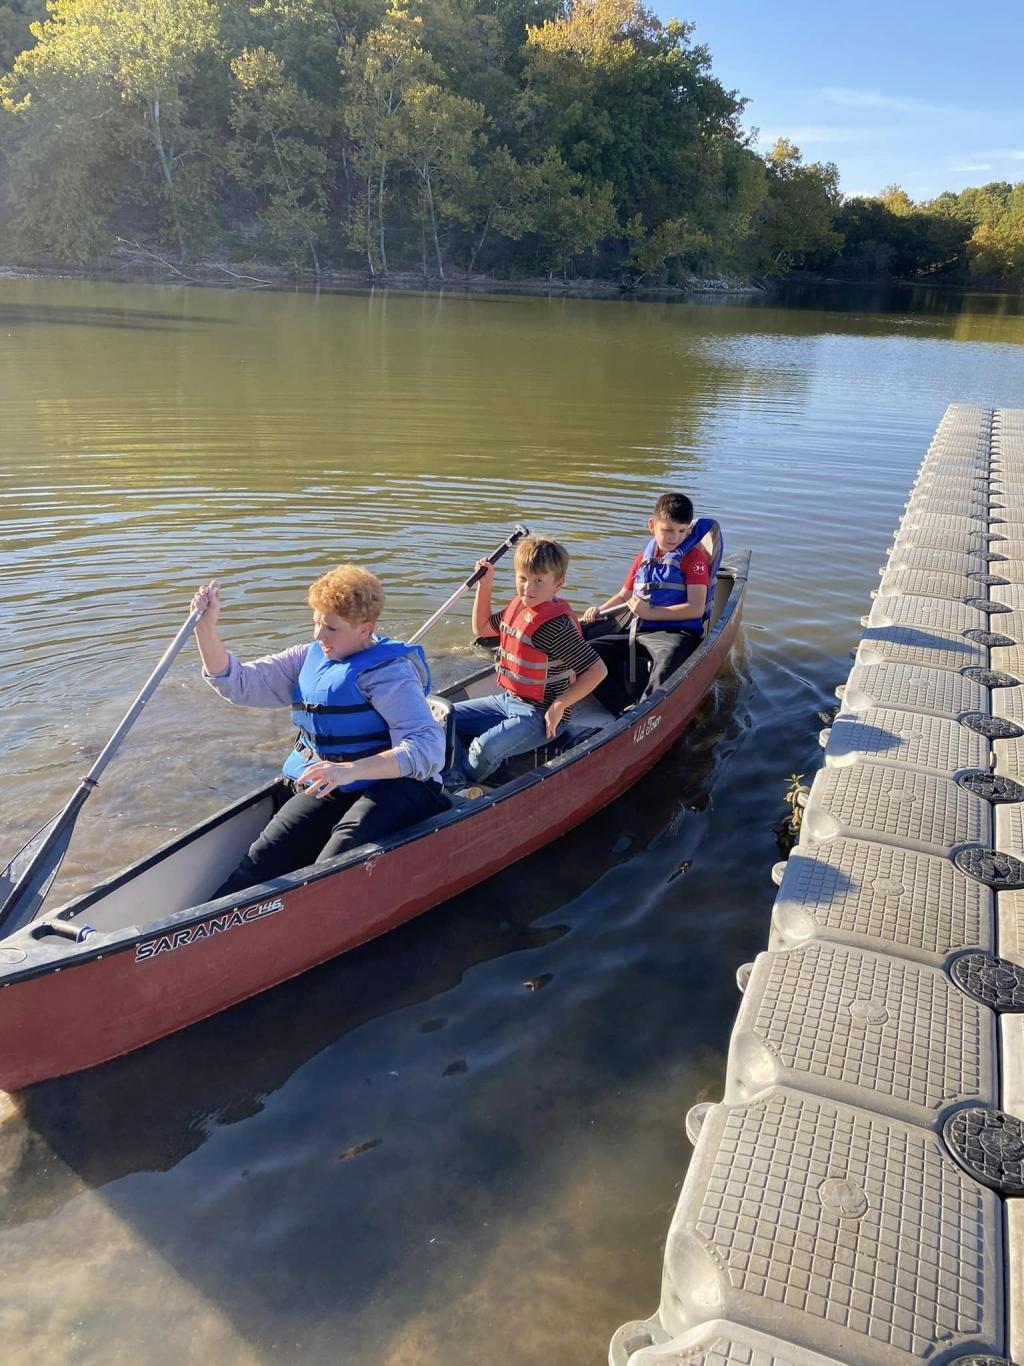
503, 192
892, 237
514, 18
378, 74
867, 229
631, 102
468, 42
987, 204
439, 135
895, 200
569, 216
279, 155
736, 189
996, 251
305, 35
517, 134
64, 181
797, 215
673, 239
123, 69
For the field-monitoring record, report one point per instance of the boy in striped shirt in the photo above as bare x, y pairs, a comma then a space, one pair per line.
544, 664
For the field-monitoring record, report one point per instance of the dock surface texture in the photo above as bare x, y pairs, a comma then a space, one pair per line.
857, 1197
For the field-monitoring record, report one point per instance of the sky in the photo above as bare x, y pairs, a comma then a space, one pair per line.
929, 96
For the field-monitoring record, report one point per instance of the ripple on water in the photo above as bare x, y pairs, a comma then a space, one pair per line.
154, 437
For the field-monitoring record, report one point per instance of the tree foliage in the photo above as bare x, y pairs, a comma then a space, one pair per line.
278, 154
378, 74
508, 136
105, 100
974, 237
796, 217
439, 135
630, 102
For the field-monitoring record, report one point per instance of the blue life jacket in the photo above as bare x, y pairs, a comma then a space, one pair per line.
662, 583
335, 720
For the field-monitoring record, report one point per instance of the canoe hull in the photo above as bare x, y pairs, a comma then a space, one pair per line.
82, 1004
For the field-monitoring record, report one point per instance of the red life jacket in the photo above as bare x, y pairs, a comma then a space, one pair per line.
523, 668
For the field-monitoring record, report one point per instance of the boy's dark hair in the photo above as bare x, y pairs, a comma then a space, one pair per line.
674, 507
536, 555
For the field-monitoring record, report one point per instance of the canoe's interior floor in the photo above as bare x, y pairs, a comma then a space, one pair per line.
182, 877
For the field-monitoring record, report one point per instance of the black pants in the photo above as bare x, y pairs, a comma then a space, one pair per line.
658, 655
311, 829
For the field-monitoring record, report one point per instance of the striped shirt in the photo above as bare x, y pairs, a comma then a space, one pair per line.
564, 646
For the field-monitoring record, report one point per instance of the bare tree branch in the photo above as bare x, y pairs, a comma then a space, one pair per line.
136, 248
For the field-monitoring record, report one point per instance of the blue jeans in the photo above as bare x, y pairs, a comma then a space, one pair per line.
497, 728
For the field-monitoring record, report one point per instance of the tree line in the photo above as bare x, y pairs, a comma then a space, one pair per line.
510, 137
975, 237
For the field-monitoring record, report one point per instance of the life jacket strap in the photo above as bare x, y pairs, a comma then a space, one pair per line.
322, 709
524, 636
634, 627
507, 671
366, 745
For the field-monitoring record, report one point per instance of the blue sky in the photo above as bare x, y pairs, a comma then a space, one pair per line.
927, 96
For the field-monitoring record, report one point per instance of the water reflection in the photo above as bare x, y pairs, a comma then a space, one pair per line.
919, 301
13, 314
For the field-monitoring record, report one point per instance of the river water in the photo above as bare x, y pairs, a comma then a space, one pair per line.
408, 1157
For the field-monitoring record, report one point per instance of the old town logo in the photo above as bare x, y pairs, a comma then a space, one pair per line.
646, 728
206, 929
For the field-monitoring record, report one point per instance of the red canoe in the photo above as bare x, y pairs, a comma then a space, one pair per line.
142, 955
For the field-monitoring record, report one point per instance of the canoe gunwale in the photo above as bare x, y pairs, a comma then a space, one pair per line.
47, 952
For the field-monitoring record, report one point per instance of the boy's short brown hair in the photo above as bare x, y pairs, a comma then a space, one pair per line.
535, 555
674, 507
349, 592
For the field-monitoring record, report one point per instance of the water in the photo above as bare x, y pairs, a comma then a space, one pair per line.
409, 1156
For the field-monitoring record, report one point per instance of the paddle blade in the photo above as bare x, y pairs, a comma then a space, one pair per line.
21, 860
27, 879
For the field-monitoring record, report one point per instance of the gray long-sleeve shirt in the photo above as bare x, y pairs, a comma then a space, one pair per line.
393, 690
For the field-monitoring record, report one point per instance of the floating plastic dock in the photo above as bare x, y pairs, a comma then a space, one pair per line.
857, 1197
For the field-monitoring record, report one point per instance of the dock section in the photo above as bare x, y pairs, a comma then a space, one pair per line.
857, 1197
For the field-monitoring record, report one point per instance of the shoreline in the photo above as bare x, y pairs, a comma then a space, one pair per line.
213, 274
216, 274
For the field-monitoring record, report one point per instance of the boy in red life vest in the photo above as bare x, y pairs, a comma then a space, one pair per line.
544, 664
666, 594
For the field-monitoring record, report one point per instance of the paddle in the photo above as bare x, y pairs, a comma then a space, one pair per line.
513, 538
26, 880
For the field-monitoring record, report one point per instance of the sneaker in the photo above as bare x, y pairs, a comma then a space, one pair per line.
471, 794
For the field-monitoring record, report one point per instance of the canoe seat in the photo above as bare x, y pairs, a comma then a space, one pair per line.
444, 714
518, 764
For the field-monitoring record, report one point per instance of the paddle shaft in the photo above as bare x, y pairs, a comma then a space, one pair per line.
148, 689
514, 537
33, 883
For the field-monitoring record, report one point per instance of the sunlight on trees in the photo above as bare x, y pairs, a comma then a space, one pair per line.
526, 137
